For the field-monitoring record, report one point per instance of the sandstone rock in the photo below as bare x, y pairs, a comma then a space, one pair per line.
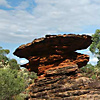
53, 51
65, 87
57, 64
53, 44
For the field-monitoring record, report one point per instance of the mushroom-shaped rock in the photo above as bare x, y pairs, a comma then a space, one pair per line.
54, 51
53, 44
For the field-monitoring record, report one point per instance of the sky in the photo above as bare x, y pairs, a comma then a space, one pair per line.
21, 21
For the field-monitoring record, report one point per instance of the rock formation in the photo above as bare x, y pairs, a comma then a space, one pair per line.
53, 51
57, 64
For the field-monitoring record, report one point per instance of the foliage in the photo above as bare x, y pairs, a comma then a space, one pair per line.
94, 71
13, 64
27, 76
6, 73
13, 80
22, 96
95, 46
6, 61
10, 65
94, 77
3, 53
89, 68
91, 71
10, 83
29, 79
18, 97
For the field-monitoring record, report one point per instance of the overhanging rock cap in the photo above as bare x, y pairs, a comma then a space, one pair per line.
51, 44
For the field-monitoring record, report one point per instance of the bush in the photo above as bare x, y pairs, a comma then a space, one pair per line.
12, 80
21, 96
10, 83
13, 64
91, 71
7, 61
88, 68
93, 77
27, 76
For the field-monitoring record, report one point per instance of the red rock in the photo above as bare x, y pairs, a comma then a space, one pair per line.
54, 51
53, 44
39, 65
57, 64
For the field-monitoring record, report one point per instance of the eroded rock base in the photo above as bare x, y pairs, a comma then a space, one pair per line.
64, 83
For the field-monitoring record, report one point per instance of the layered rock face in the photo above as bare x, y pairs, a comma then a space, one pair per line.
53, 51
57, 64
64, 85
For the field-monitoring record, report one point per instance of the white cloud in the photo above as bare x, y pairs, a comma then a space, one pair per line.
88, 33
23, 61
4, 3
93, 60
48, 16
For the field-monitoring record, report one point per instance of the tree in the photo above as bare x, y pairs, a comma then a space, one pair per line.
10, 83
95, 46
12, 80
3, 53
89, 68
27, 76
7, 61
13, 64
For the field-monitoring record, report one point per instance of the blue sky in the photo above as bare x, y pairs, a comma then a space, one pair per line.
21, 21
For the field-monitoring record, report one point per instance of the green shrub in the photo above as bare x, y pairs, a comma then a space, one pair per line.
18, 97
7, 61
10, 83
91, 71
93, 77
12, 80
21, 96
88, 68
13, 64
27, 76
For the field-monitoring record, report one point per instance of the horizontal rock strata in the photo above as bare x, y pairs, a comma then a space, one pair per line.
53, 44
54, 50
64, 84
57, 63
